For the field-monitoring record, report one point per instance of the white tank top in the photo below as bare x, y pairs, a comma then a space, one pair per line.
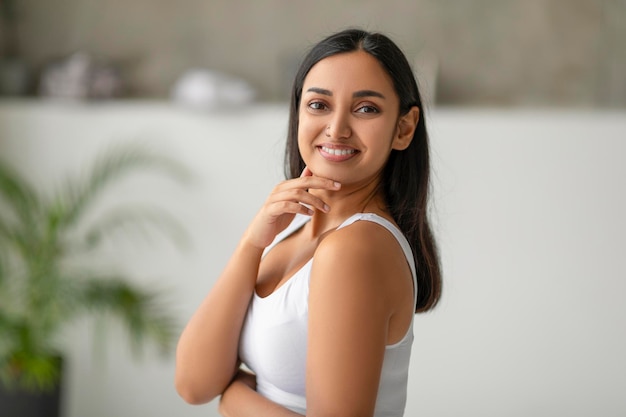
274, 336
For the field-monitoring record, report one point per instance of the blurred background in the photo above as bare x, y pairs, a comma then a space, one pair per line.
526, 106
483, 52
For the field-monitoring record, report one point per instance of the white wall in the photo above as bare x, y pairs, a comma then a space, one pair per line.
532, 233
528, 213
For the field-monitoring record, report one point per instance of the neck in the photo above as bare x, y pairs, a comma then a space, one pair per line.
344, 203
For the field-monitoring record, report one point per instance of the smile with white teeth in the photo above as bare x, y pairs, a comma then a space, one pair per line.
338, 151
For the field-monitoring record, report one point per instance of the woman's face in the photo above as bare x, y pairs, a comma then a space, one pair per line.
348, 118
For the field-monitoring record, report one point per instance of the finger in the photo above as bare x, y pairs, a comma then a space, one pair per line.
306, 172
309, 182
301, 197
288, 207
320, 183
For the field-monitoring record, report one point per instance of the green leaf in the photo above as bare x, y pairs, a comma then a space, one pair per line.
19, 201
41, 288
71, 203
135, 219
140, 311
29, 371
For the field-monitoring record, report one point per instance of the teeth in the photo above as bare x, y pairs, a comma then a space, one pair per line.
338, 151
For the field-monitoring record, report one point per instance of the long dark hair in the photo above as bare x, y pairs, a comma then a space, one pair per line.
405, 180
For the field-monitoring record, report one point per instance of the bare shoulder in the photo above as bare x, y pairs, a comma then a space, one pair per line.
363, 253
363, 241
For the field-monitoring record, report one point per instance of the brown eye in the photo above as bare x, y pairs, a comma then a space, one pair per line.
367, 109
317, 105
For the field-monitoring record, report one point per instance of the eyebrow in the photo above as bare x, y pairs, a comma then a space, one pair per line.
367, 93
357, 94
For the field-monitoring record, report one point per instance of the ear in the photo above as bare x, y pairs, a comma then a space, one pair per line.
405, 129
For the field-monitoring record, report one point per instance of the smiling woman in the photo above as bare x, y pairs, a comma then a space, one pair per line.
319, 297
349, 114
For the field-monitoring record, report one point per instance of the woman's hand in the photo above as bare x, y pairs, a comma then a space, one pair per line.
286, 200
240, 399
242, 384
246, 378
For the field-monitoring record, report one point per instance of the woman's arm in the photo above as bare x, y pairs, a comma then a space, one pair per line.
241, 400
206, 356
349, 312
350, 303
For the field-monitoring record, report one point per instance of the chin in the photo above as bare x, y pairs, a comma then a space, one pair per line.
325, 172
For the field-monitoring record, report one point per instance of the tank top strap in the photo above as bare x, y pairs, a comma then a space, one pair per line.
397, 233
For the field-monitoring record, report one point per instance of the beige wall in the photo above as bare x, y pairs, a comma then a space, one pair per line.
490, 52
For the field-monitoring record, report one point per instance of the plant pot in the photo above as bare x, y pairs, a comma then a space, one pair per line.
20, 403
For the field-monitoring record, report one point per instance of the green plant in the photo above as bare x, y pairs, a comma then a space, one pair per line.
44, 283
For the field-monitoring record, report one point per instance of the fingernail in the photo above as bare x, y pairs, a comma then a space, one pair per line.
326, 208
336, 184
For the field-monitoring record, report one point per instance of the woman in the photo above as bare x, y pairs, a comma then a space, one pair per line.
319, 296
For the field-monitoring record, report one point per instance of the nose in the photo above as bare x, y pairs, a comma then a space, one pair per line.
339, 125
